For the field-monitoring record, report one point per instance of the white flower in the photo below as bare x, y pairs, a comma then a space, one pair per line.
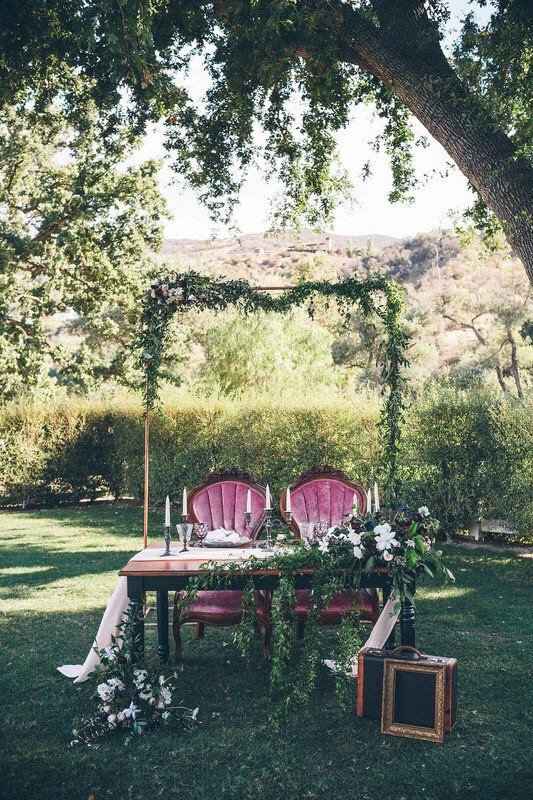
410, 543
423, 511
105, 692
385, 537
121, 716
140, 674
387, 555
166, 695
281, 537
131, 711
107, 709
323, 545
112, 719
358, 553
165, 714
382, 529
354, 538
195, 713
116, 683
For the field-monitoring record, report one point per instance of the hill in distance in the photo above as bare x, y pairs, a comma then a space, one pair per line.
260, 256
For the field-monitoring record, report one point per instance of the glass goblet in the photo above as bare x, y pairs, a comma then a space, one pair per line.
200, 532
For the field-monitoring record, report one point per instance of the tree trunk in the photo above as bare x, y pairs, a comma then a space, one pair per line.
425, 82
515, 369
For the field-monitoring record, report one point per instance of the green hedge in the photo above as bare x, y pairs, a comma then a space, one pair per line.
464, 454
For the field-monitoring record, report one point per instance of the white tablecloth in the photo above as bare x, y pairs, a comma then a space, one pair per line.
118, 602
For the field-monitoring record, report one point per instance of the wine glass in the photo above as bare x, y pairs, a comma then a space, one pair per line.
200, 532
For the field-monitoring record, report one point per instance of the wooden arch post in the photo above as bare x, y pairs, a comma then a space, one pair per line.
146, 496
146, 475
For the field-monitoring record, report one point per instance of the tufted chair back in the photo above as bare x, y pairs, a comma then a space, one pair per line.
221, 503
322, 496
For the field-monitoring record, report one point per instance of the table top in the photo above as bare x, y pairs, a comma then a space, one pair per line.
185, 565
162, 567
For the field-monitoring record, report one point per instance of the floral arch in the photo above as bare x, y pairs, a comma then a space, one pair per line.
179, 293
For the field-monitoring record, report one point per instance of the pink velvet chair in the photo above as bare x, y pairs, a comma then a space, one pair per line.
327, 495
220, 502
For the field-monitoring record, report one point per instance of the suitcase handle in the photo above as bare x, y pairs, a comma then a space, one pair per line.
405, 648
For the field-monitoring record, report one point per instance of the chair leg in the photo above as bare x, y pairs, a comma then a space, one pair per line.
200, 630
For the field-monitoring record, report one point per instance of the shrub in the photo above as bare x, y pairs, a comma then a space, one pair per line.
464, 453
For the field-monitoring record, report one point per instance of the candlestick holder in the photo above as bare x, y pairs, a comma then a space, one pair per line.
167, 551
268, 529
247, 519
184, 530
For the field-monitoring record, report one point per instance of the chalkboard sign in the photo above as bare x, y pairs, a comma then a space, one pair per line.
413, 700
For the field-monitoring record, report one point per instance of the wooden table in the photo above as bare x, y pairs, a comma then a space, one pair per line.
164, 576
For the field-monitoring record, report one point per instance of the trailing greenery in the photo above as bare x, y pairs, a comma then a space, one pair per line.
129, 698
181, 292
399, 545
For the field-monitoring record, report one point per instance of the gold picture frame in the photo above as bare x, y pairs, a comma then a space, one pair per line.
390, 724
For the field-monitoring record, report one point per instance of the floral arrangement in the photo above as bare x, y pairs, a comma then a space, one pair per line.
129, 699
402, 542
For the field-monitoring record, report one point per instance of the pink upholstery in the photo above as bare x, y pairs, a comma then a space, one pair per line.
221, 607
328, 497
324, 500
366, 602
222, 505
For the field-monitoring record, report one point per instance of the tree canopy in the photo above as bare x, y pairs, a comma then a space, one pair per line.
294, 69
75, 227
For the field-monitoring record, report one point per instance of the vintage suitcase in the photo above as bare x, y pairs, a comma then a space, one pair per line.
370, 682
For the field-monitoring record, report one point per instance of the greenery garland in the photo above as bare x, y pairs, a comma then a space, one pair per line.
190, 291
402, 548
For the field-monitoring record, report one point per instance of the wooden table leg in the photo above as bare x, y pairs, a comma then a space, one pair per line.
162, 625
135, 594
407, 623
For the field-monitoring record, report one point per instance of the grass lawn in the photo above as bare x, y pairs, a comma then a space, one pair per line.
57, 569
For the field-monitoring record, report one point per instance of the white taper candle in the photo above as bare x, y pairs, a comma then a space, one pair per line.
184, 502
376, 496
167, 512
248, 502
369, 502
268, 501
288, 500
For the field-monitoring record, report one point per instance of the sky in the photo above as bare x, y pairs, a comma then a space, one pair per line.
437, 201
